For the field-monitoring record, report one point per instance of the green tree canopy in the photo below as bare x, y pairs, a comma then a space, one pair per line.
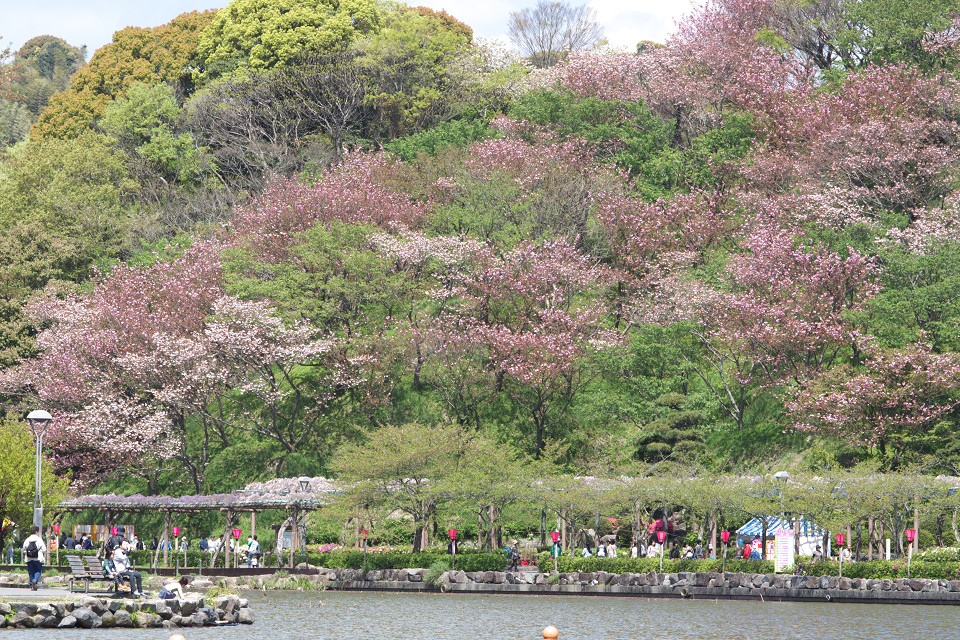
136, 55
17, 479
261, 34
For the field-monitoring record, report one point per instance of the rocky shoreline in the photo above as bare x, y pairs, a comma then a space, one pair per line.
93, 613
730, 586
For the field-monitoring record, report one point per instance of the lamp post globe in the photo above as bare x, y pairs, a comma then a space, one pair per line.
38, 419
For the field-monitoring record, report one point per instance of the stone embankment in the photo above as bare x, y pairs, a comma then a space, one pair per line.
729, 586
91, 613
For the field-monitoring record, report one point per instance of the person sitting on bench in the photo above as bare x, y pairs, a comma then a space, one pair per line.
110, 570
125, 569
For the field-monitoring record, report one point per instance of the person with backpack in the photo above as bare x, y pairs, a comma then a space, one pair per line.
114, 541
34, 550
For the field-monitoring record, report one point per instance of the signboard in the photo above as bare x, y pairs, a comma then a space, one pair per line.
783, 554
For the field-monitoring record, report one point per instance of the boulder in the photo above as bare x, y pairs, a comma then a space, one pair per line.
916, 584
108, 620
145, 620
227, 604
189, 606
210, 613
45, 622
121, 618
68, 622
157, 606
86, 618
29, 608
21, 620
245, 616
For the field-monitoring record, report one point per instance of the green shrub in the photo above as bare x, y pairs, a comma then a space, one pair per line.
436, 570
456, 133
466, 561
567, 564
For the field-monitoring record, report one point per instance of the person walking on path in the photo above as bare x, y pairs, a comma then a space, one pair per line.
34, 550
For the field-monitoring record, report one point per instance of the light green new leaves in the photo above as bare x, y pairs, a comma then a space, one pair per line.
261, 34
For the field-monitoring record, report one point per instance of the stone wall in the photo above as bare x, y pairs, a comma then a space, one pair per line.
90, 613
734, 586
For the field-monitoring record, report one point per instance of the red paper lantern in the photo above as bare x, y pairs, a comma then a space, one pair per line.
555, 536
236, 533
911, 534
453, 533
176, 532
113, 531
661, 536
840, 539
725, 536
56, 529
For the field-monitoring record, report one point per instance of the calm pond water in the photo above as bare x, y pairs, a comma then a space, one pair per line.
397, 616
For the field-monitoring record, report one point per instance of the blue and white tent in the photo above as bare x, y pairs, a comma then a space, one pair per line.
810, 533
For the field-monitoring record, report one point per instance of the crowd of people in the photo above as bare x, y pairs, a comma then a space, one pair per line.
116, 563
645, 550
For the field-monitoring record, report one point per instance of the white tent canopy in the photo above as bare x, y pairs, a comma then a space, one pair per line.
804, 527
810, 533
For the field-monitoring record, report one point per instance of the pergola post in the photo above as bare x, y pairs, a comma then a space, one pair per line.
294, 535
916, 527
166, 538
253, 523
563, 529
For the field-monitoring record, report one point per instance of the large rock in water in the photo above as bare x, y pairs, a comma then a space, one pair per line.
190, 606
68, 622
87, 619
245, 616
122, 619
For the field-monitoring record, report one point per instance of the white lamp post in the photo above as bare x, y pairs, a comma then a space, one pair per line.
38, 419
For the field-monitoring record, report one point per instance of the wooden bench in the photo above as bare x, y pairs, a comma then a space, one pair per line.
80, 572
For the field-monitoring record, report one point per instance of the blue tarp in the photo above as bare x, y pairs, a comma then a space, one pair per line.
755, 527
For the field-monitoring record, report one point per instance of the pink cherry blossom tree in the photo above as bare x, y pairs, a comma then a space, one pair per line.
891, 400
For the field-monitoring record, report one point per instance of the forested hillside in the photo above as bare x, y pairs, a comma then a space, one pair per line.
239, 247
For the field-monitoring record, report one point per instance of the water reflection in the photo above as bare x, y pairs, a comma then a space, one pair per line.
394, 616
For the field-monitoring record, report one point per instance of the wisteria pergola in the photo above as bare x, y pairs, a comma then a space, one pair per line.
293, 495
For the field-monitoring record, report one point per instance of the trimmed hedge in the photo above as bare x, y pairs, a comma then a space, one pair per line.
468, 561
876, 569
568, 564
880, 569
398, 560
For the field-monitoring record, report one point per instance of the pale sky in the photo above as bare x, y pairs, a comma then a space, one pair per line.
93, 22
